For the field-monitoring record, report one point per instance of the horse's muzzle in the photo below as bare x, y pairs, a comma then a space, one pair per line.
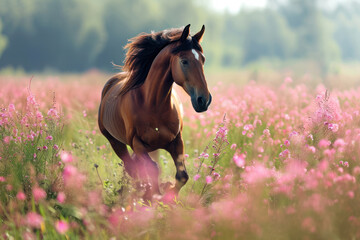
200, 103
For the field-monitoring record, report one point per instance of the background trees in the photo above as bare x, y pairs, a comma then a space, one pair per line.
75, 35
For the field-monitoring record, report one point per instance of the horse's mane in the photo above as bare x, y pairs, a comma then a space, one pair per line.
142, 50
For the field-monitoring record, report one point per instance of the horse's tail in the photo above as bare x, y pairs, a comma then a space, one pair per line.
112, 81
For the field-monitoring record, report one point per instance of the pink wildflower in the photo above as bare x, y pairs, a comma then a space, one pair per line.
288, 80
11, 107
196, 177
233, 146
351, 194
239, 160
339, 143
266, 132
285, 153
66, 157
7, 139
52, 113
324, 143
38, 194
34, 220
256, 173
333, 127
21, 196
208, 179
204, 155
308, 224
56, 147
84, 113
61, 226
2, 179
61, 197
39, 116
312, 149
49, 137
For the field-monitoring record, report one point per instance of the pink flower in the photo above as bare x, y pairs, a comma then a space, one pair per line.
61, 197
285, 153
11, 107
56, 147
266, 132
61, 226
52, 113
72, 177
308, 224
257, 173
233, 146
49, 137
288, 80
208, 179
39, 116
2, 179
66, 157
21, 196
324, 143
351, 194
34, 220
84, 113
204, 155
196, 177
312, 149
333, 127
339, 143
38, 194
287, 143
239, 160
7, 139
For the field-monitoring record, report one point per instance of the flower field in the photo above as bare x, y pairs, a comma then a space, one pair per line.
266, 161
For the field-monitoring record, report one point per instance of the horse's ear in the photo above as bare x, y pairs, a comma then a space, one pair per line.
200, 34
185, 33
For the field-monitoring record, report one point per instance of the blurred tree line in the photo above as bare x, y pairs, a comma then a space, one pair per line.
75, 35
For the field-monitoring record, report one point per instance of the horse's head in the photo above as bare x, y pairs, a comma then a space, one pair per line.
187, 68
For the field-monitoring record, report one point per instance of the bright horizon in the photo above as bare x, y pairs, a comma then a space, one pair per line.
234, 6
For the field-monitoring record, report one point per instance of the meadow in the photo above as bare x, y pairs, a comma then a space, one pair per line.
274, 157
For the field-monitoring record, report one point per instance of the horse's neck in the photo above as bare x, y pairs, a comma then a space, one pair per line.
158, 84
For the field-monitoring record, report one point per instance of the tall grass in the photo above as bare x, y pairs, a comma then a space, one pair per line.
282, 164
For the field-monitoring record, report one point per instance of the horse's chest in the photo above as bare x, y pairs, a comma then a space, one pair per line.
157, 136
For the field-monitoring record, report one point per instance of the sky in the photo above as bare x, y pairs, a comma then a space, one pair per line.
235, 5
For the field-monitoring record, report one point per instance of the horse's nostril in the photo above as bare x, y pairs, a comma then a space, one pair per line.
201, 101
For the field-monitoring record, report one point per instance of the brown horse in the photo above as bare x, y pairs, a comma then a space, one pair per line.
138, 107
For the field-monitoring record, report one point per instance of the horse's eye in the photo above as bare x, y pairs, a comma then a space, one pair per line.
184, 62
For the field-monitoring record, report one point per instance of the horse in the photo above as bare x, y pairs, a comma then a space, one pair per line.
139, 108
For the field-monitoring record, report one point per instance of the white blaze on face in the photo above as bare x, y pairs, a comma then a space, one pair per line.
196, 54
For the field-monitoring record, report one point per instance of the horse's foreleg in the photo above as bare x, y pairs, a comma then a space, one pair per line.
176, 149
148, 169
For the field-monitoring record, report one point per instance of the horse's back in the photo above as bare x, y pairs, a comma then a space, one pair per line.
111, 82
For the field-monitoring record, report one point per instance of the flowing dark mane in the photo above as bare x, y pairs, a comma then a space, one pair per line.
142, 50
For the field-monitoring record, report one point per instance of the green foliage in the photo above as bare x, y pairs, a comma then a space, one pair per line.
75, 35
3, 40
